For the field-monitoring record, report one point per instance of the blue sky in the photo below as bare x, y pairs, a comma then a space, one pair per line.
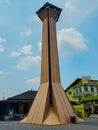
21, 36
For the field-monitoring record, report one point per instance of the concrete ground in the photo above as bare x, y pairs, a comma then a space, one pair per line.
89, 124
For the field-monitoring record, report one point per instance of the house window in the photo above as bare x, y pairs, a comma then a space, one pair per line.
85, 88
76, 90
97, 90
80, 89
96, 102
79, 100
92, 89
69, 92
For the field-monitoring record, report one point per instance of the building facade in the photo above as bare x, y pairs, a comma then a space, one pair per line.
83, 94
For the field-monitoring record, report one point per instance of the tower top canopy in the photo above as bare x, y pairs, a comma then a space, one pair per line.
49, 6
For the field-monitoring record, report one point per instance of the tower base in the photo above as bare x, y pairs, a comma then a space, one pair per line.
42, 113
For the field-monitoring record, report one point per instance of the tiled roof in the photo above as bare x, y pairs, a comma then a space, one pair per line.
28, 95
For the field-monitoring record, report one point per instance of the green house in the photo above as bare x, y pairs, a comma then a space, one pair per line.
83, 95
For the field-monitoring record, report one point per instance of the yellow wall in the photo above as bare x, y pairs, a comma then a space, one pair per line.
71, 97
80, 109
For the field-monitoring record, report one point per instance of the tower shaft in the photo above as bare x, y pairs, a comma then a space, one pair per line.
50, 65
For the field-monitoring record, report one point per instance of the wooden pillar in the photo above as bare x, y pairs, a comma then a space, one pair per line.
51, 106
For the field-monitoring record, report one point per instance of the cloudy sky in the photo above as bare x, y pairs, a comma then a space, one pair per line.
21, 36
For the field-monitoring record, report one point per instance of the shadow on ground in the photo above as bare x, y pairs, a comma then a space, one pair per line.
89, 124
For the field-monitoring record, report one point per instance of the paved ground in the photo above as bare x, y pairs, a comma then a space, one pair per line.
89, 124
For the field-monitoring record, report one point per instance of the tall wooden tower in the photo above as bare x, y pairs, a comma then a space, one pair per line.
51, 106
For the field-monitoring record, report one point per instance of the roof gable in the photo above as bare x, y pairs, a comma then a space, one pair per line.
73, 84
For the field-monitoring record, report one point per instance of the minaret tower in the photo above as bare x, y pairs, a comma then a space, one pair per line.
51, 106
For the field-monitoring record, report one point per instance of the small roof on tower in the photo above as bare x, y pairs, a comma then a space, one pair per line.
49, 6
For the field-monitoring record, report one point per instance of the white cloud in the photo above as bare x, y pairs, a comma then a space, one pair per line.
15, 54
1, 48
70, 41
2, 40
34, 18
28, 61
75, 12
26, 33
40, 46
33, 81
69, 6
8, 2
26, 49
2, 72
5, 73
